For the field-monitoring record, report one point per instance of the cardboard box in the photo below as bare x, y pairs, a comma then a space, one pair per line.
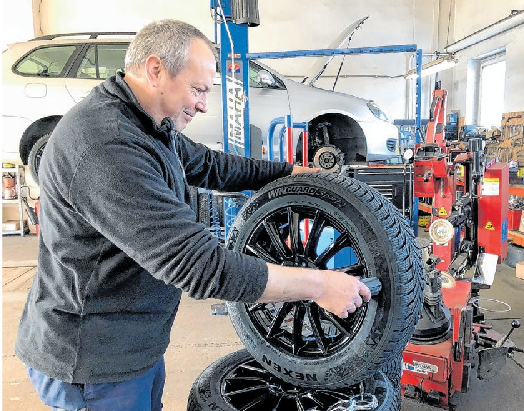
12, 225
520, 269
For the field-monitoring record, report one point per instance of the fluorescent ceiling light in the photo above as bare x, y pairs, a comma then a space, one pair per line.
440, 64
516, 18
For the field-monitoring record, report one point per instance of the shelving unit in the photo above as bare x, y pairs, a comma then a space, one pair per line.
516, 190
18, 170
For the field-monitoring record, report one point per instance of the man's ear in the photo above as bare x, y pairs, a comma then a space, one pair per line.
153, 68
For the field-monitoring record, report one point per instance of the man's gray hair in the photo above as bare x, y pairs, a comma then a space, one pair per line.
168, 39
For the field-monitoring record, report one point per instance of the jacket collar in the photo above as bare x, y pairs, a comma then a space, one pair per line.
117, 87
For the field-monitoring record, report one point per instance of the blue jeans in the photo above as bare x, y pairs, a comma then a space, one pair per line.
143, 393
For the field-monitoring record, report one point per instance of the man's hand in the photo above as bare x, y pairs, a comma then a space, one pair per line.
301, 170
342, 294
334, 291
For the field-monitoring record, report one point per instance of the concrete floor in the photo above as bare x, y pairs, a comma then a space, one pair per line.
199, 338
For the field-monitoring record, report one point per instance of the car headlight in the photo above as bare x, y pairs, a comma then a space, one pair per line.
377, 111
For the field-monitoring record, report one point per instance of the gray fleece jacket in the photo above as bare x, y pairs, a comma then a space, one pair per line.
119, 242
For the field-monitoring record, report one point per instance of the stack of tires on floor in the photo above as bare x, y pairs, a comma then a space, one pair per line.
298, 356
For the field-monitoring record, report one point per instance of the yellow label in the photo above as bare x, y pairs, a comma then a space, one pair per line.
442, 211
489, 226
423, 220
490, 180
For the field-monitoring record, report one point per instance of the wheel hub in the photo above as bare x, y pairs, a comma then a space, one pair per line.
329, 158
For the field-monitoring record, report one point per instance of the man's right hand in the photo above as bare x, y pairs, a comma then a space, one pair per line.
334, 291
342, 293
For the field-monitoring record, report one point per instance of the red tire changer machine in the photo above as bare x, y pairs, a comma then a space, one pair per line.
469, 226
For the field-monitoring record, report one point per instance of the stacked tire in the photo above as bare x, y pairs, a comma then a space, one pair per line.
238, 382
297, 351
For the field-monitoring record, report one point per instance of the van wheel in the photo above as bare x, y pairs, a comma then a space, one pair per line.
238, 382
35, 156
351, 225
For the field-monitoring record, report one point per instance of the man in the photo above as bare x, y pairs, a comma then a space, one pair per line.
119, 242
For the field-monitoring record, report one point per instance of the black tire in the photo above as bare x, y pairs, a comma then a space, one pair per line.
515, 255
35, 155
238, 382
393, 371
302, 343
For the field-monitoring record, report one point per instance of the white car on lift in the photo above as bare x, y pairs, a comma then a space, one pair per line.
45, 77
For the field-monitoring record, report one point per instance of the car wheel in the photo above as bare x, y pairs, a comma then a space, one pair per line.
347, 219
238, 382
35, 156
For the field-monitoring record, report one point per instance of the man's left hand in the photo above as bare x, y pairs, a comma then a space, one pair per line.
301, 169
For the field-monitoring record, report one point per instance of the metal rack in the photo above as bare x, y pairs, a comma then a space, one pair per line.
19, 172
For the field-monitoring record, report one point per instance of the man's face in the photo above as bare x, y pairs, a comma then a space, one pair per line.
186, 94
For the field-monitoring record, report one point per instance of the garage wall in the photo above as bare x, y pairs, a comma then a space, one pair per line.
19, 28
63, 16
468, 17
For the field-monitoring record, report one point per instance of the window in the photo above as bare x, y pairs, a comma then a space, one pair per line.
485, 89
45, 61
254, 77
102, 61
492, 80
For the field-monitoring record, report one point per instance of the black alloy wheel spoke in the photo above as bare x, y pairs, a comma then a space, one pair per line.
300, 406
314, 319
353, 269
309, 395
255, 368
336, 321
277, 405
298, 326
314, 233
275, 328
257, 307
261, 386
256, 401
294, 232
275, 238
335, 247
259, 252
335, 395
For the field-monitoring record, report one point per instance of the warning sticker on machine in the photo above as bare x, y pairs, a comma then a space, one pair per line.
489, 226
490, 187
442, 212
420, 367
